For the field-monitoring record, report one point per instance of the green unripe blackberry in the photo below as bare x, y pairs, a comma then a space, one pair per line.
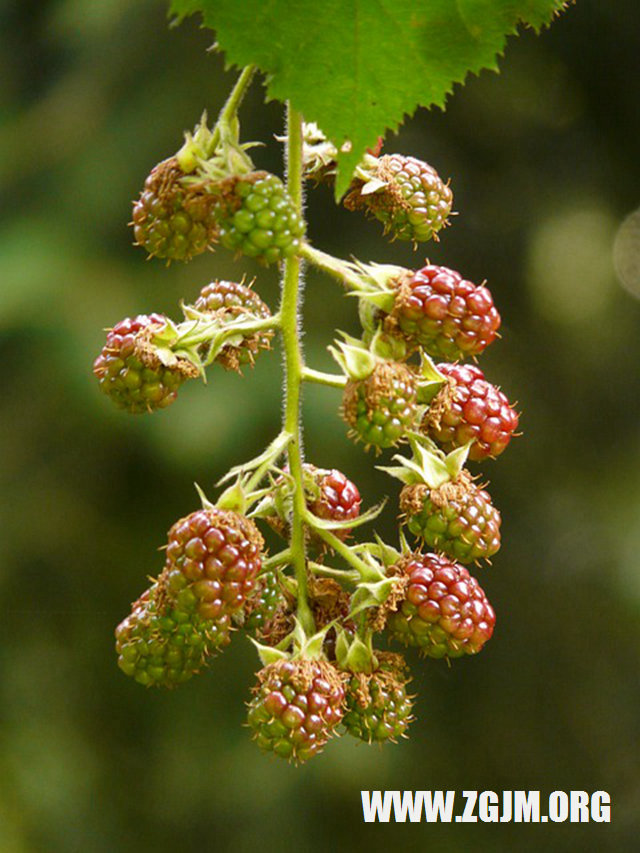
256, 217
381, 408
296, 707
414, 203
377, 707
229, 300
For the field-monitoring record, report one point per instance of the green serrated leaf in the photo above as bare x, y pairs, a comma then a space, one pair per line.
358, 67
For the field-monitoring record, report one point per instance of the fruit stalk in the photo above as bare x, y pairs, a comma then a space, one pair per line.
294, 366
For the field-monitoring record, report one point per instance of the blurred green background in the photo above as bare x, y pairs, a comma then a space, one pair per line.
545, 167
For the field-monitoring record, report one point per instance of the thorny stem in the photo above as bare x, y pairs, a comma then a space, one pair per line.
294, 366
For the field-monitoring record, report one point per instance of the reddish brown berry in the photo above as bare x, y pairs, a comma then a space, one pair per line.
129, 371
450, 318
333, 497
216, 555
468, 408
457, 518
445, 612
173, 219
296, 707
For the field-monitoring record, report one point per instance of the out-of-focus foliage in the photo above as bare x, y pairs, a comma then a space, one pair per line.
544, 168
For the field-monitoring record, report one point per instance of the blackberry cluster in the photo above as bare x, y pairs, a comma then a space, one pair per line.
318, 609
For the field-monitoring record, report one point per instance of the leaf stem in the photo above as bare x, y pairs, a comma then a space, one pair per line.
339, 269
333, 380
228, 112
366, 572
294, 366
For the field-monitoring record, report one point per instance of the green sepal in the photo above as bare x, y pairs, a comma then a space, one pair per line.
234, 498
354, 357
269, 654
264, 460
370, 595
431, 469
387, 347
372, 186
347, 524
359, 656
310, 647
204, 500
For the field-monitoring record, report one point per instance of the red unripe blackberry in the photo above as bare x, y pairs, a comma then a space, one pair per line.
444, 612
216, 553
296, 707
163, 643
130, 373
381, 408
377, 707
414, 204
257, 218
229, 300
457, 518
336, 497
171, 220
468, 408
447, 316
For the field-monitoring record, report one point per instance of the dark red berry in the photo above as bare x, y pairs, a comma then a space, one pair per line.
334, 498
444, 612
216, 555
468, 408
438, 310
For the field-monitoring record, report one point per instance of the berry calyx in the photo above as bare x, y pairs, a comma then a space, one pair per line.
257, 218
381, 408
470, 409
444, 612
405, 194
438, 310
296, 707
229, 300
457, 518
172, 219
129, 371
377, 707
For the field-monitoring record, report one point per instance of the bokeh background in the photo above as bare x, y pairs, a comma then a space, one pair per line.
545, 168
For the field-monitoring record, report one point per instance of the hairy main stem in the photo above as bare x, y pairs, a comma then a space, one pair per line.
294, 367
